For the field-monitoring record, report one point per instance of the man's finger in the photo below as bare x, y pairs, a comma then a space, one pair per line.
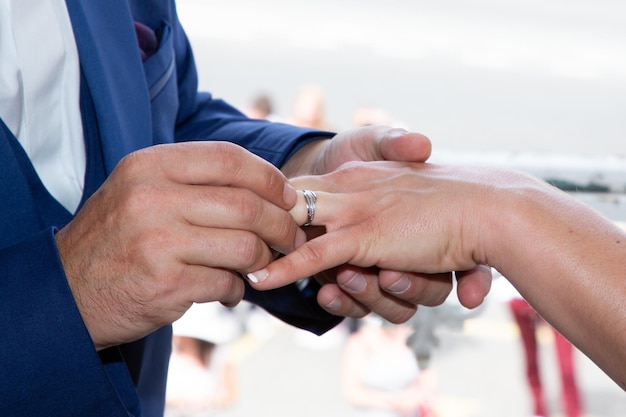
473, 285
219, 163
334, 300
399, 145
363, 286
416, 288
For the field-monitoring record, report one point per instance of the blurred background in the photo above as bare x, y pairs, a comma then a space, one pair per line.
534, 85
473, 75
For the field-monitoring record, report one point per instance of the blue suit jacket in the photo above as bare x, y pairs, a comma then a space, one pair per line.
48, 365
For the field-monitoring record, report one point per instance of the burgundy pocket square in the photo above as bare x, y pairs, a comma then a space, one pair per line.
148, 40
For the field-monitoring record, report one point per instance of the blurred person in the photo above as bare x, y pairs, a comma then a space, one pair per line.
309, 108
262, 107
202, 376
423, 339
564, 258
124, 203
426, 320
528, 322
380, 375
368, 115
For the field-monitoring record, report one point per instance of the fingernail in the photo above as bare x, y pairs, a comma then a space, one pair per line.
357, 283
400, 285
258, 276
290, 196
396, 132
334, 305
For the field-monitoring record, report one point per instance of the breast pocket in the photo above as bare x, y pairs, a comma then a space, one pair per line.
160, 70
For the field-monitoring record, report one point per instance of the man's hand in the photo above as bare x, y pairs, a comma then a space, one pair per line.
386, 232
371, 143
172, 225
353, 291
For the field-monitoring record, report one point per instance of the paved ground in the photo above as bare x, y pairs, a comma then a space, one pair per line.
479, 367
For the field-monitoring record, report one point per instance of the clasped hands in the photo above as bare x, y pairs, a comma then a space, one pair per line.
177, 224
394, 234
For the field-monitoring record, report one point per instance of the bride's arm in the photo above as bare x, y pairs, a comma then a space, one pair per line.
564, 258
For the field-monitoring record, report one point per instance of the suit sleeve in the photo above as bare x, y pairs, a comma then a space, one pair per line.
47, 358
202, 117
214, 119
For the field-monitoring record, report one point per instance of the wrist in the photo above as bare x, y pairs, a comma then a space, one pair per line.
518, 213
304, 161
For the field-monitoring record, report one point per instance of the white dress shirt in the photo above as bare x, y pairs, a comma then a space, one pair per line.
39, 92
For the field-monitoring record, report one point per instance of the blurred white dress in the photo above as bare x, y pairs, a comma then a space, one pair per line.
191, 384
385, 372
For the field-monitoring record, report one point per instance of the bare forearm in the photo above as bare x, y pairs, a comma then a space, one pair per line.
564, 258
569, 263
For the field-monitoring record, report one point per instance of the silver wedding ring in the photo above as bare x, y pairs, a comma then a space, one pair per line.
309, 198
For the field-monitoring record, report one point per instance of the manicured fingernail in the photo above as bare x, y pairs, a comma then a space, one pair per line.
396, 132
357, 283
400, 285
334, 305
258, 276
290, 196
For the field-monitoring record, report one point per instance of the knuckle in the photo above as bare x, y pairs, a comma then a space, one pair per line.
311, 252
347, 172
230, 158
256, 215
249, 250
403, 315
226, 149
135, 161
128, 162
142, 199
233, 291
274, 180
140, 209
285, 229
429, 293
249, 209
438, 299
419, 290
226, 287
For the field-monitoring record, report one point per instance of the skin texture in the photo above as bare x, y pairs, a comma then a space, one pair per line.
566, 260
354, 291
173, 225
177, 224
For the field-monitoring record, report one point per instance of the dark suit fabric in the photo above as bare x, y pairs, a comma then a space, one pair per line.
130, 100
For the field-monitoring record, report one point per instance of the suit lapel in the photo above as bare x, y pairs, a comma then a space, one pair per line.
111, 62
16, 200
